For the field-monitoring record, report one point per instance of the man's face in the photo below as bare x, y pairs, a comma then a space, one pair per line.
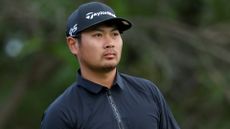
100, 48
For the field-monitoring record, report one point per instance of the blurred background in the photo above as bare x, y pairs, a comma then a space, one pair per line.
183, 46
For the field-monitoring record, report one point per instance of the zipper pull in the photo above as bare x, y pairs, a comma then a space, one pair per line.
108, 92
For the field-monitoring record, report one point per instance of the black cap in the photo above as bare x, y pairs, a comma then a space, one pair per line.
90, 14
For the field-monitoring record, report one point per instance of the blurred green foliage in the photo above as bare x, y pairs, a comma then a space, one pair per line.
182, 46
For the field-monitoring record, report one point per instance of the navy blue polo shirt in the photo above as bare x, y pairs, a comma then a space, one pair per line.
131, 103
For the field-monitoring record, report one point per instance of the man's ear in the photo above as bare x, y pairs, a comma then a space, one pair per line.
73, 45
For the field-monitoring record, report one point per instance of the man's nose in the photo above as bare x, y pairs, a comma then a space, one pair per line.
109, 42
109, 46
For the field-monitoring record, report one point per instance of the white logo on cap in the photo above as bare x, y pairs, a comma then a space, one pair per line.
73, 30
91, 15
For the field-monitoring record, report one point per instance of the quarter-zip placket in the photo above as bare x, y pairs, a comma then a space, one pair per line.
115, 110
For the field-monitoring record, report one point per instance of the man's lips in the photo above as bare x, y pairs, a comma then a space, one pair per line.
110, 54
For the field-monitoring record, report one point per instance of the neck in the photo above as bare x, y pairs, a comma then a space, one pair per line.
103, 78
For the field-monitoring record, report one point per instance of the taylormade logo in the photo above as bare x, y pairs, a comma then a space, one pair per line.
91, 15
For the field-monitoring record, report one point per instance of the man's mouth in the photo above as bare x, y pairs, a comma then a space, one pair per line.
109, 54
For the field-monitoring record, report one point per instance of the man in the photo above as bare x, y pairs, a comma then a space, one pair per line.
103, 98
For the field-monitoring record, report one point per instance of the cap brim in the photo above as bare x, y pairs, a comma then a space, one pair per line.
122, 24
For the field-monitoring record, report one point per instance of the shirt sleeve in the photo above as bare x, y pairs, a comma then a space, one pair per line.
167, 120
55, 119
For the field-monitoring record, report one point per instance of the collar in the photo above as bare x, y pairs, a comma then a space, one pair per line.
96, 88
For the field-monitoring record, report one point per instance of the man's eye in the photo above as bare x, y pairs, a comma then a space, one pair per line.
116, 34
97, 35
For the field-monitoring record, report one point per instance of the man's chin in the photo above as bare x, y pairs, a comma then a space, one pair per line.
109, 68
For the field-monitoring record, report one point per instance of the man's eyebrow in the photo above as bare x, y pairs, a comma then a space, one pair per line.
115, 28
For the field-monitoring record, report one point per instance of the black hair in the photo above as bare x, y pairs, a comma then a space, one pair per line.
78, 37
